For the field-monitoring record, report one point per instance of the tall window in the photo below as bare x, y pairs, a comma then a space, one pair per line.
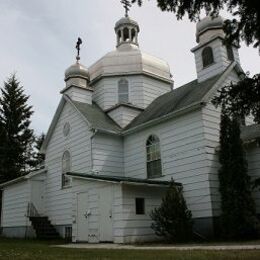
207, 57
154, 165
123, 91
66, 165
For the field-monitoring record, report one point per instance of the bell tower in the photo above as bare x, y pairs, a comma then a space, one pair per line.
212, 56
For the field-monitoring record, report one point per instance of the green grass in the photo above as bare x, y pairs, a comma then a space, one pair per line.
38, 250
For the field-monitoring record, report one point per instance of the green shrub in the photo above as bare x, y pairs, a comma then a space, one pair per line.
172, 219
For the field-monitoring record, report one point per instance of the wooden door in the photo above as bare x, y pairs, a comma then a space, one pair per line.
82, 217
106, 213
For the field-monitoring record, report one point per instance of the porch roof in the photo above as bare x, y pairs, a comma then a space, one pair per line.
120, 179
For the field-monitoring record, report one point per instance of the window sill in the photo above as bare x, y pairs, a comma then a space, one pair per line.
155, 177
66, 187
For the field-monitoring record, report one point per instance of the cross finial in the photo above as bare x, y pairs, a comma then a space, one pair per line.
79, 42
127, 5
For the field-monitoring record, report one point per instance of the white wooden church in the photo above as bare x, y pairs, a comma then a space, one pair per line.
120, 133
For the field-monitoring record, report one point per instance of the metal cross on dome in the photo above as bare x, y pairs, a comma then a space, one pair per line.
127, 5
79, 42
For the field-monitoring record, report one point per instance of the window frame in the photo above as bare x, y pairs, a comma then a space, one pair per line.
207, 56
123, 94
139, 208
65, 167
153, 157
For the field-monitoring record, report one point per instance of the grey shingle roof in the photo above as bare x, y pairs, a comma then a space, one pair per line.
177, 99
96, 117
120, 179
250, 132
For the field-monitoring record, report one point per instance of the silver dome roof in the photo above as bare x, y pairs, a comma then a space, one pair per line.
209, 22
128, 60
76, 70
126, 21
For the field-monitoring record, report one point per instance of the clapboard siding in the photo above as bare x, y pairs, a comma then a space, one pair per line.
59, 201
15, 202
253, 158
220, 60
130, 227
108, 157
142, 91
211, 126
183, 156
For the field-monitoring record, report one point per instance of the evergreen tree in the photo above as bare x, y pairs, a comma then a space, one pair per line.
16, 135
172, 219
238, 219
38, 157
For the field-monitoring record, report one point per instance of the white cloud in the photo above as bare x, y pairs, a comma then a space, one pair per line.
38, 41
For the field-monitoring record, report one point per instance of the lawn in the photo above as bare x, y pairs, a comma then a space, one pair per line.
38, 250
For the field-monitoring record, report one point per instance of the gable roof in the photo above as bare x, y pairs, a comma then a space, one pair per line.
177, 99
96, 117
186, 98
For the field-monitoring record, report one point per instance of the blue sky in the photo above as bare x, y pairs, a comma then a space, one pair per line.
38, 43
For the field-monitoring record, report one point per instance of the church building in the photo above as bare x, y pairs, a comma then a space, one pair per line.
120, 133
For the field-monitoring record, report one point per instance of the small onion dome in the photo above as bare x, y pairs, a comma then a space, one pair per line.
76, 70
126, 21
209, 23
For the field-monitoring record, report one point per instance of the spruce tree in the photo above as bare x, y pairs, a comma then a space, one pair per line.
238, 218
172, 219
16, 135
38, 157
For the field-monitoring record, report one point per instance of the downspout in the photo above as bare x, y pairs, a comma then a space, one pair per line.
91, 148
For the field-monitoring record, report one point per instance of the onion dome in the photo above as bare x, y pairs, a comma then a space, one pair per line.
208, 23
76, 70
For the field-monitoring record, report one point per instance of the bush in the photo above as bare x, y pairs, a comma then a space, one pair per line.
172, 219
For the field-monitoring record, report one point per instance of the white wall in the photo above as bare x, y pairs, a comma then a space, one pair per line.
15, 202
142, 91
130, 227
183, 158
211, 127
58, 201
80, 94
221, 60
108, 157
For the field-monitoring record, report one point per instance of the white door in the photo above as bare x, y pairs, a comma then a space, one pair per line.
106, 217
37, 196
82, 216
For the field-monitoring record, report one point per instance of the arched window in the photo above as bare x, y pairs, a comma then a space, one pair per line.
230, 53
207, 57
133, 34
154, 165
123, 91
66, 165
126, 34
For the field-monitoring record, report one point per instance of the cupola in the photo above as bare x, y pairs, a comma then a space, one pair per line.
212, 56
77, 80
127, 32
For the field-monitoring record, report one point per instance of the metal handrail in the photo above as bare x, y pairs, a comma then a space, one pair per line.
32, 211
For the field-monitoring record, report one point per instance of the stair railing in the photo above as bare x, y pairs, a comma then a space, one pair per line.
32, 211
